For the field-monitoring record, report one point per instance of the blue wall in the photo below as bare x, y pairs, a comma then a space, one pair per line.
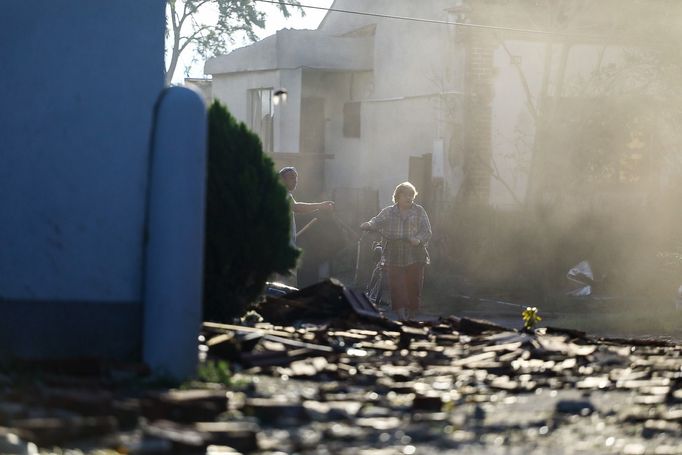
78, 84
79, 80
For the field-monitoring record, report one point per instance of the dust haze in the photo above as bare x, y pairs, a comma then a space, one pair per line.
549, 142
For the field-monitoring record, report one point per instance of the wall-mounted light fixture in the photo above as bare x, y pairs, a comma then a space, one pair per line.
280, 96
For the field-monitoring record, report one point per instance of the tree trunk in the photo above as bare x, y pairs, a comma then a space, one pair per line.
172, 65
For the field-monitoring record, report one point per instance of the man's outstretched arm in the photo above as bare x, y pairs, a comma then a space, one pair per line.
308, 207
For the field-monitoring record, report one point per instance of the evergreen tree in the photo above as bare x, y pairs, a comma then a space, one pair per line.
247, 219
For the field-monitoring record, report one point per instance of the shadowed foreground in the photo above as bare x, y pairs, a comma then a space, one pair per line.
345, 380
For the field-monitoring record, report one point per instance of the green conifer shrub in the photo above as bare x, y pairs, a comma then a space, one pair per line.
247, 219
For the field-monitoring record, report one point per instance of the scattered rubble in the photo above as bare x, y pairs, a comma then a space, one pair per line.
325, 373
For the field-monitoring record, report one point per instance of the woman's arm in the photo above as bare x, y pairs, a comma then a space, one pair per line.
377, 222
424, 230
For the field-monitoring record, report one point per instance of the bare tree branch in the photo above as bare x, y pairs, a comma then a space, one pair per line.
233, 16
524, 82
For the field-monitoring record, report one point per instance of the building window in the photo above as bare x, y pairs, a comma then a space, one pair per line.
352, 119
261, 116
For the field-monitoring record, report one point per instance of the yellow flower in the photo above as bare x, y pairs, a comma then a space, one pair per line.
530, 317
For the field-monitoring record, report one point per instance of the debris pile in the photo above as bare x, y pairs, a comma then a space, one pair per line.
344, 380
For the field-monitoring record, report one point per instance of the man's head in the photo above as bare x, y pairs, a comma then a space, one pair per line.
289, 177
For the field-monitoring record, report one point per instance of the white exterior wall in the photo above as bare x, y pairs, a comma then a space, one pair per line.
232, 89
410, 59
405, 113
288, 115
402, 112
340, 23
337, 89
392, 132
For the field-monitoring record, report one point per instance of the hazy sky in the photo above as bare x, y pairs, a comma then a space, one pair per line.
275, 21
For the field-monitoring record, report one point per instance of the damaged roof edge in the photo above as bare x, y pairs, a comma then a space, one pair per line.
297, 48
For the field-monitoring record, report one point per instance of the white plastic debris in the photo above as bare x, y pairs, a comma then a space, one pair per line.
581, 274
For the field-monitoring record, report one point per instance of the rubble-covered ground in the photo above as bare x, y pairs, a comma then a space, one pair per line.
342, 380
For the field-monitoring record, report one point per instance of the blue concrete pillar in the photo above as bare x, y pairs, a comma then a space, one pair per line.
175, 234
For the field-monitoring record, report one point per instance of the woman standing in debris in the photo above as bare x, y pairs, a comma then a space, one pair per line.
406, 230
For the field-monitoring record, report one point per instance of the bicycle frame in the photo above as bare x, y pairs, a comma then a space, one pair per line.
376, 286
